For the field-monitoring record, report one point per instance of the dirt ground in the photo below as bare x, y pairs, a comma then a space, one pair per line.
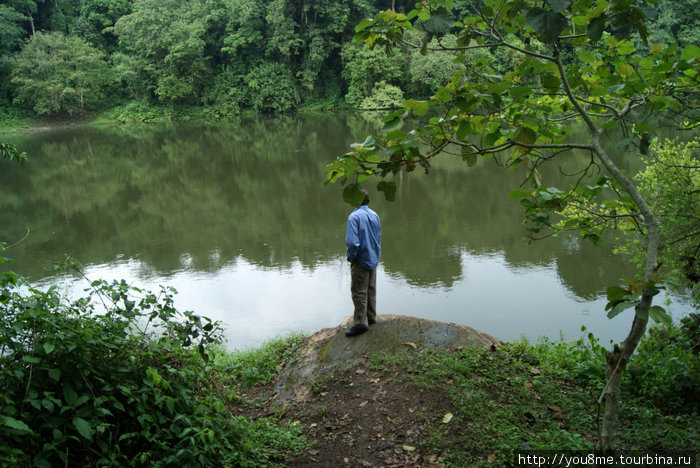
358, 417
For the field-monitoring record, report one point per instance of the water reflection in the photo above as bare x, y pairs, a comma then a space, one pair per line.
257, 302
237, 219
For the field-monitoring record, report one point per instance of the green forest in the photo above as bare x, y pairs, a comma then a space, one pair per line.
223, 57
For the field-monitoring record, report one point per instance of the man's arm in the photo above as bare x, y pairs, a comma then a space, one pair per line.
352, 238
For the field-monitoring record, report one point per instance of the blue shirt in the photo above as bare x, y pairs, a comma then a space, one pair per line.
363, 237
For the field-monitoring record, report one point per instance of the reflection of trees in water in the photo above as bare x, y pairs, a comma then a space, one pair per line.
253, 189
456, 207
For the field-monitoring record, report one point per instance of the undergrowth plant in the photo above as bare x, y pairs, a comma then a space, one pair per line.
118, 377
668, 362
521, 397
258, 365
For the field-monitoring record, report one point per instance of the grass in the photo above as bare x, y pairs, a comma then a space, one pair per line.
268, 438
523, 397
259, 365
12, 120
518, 398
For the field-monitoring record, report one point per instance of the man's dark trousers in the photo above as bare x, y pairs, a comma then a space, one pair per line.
364, 294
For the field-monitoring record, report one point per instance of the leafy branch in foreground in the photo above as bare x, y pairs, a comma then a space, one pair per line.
8, 151
572, 68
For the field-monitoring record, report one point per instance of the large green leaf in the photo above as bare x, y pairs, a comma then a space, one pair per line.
84, 428
438, 24
551, 82
620, 307
615, 294
525, 135
389, 189
518, 194
417, 107
463, 130
491, 138
69, 394
559, 5
548, 24
14, 424
353, 194
596, 27
362, 25
520, 92
659, 315
391, 124
690, 51
581, 20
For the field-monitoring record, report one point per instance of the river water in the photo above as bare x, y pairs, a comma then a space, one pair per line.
236, 217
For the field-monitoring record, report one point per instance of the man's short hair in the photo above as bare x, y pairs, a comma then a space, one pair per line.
366, 200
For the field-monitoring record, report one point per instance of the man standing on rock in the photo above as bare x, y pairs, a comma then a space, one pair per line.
363, 240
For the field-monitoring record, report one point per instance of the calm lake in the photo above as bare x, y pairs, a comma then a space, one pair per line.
237, 219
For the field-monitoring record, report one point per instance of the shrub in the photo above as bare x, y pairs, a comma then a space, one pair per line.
141, 111
226, 95
429, 71
364, 67
666, 368
383, 96
581, 360
119, 384
258, 365
272, 88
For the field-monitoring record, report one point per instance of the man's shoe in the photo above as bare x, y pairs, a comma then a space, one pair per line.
371, 321
355, 330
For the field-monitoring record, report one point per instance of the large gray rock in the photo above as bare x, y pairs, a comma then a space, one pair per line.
392, 333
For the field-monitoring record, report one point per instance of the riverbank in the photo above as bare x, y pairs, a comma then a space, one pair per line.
14, 121
89, 391
470, 406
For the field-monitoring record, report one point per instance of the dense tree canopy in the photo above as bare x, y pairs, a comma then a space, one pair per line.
55, 74
264, 55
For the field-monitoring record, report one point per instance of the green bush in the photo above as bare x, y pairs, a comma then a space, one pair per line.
272, 88
226, 96
666, 369
431, 70
582, 360
258, 365
383, 96
140, 111
663, 373
113, 378
364, 67
13, 117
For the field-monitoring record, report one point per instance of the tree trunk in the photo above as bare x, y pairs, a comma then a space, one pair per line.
31, 20
617, 358
616, 363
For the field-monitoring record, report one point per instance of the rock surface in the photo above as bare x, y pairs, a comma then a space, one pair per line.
330, 347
